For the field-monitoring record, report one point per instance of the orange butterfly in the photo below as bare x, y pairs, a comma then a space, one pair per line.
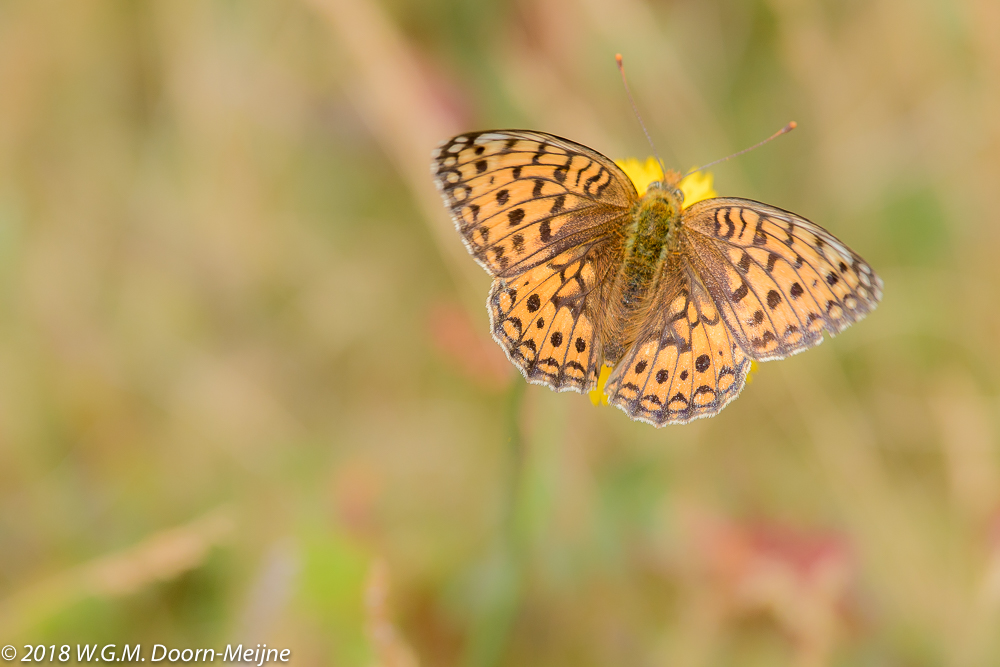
677, 300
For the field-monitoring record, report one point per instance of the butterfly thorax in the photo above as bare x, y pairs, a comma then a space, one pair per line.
648, 241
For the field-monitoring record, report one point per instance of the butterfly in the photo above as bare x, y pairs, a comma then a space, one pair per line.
676, 300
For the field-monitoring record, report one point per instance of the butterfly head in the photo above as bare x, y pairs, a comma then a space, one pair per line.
670, 187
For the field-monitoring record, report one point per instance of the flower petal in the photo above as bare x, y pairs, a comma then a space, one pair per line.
597, 396
697, 187
641, 174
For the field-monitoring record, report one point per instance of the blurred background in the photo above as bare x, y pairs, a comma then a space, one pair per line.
247, 388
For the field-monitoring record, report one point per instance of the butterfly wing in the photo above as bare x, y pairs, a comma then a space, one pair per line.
540, 213
686, 364
779, 280
546, 322
520, 198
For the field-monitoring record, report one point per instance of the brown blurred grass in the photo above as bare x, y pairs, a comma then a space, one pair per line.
224, 272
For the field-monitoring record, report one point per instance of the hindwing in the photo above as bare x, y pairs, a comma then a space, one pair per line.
546, 322
686, 365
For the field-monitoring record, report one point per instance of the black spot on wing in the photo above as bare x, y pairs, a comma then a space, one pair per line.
702, 363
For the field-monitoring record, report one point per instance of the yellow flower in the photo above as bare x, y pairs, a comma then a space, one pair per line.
696, 187
597, 396
641, 173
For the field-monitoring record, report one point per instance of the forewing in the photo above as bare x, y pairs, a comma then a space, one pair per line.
779, 280
520, 198
546, 321
686, 365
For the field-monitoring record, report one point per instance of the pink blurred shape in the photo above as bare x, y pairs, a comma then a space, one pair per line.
469, 351
800, 578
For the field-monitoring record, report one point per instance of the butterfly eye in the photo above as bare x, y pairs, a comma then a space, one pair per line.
679, 194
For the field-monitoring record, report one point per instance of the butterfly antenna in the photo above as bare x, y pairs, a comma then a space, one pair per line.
786, 129
635, 110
